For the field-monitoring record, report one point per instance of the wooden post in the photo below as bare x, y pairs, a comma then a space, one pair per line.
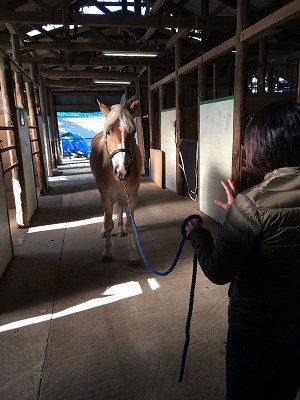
19, 84
162, 104
50, 127
262, 56
35, 77
202, 90
55, 135
216, 81
39, 162
179, 117
46, 133
240, 89
151, 113
10, 116
298, 91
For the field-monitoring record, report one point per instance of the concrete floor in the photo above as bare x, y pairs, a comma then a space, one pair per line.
74, 328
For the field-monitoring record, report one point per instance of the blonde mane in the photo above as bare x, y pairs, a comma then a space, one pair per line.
118, 112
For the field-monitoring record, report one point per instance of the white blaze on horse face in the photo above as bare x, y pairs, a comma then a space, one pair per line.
120, 166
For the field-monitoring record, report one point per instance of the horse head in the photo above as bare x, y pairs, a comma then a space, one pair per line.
119, 137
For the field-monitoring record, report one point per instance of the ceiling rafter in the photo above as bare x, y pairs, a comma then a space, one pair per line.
42, 4
154, 21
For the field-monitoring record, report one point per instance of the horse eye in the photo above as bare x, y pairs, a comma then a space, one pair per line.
107, 132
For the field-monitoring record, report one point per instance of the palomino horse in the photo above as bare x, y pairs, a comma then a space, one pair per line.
116, 162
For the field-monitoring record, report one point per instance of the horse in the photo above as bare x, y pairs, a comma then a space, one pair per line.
116, 164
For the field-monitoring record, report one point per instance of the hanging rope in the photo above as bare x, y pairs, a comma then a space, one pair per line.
169, 270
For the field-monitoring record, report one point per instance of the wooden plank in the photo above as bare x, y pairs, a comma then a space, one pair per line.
240, 87
135, 21
151, 109
15, 66
219, 50
298, 91
156, 167
84, 46
263, 27
209, 56
87, 74
167, 79
180, 34
179, 117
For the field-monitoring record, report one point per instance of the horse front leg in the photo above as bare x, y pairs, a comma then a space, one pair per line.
107, 229
121, 229
134, 259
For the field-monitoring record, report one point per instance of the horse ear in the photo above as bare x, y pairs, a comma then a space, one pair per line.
103, 108
134, 105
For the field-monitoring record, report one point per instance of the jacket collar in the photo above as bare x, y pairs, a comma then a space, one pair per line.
282, 172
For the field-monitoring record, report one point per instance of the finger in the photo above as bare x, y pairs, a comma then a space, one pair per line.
227, 190
232, 186
221, 204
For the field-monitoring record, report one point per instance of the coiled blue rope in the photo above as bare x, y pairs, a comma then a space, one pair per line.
169, 270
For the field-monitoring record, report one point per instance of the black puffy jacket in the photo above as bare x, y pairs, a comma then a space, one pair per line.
258, 251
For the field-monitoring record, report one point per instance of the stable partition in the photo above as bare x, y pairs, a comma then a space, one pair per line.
215, 164
25, 211
6, 249
168, 146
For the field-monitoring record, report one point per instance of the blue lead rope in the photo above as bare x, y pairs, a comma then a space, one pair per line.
170, 269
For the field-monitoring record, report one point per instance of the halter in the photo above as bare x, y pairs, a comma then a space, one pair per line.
111, 155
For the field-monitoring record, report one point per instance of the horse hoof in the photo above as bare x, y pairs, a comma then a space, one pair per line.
135, 263
103, 234
107, 259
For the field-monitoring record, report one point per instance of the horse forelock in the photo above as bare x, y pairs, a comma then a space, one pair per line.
118, 112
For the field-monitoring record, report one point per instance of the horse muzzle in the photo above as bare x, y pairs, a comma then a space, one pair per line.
121, 174
121, 167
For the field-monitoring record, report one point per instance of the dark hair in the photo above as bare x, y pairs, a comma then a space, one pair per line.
272, 137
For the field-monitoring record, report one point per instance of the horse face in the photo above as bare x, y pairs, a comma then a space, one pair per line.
120, 140
120, 149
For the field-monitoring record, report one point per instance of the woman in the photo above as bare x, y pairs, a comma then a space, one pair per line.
258, 252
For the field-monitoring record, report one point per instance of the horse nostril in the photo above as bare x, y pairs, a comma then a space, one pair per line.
121, 175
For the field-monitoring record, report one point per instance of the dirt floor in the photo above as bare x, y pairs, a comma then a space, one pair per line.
74, 328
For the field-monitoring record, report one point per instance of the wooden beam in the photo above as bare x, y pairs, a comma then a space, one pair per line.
102, 60
135, 21
167, 79
82, 83
42, 4
220, 50
240, 90
180, 34
206, 57
298, 86
179, 95
15, 66
151, 110
209, 56
83, 46
94, 74
263, 27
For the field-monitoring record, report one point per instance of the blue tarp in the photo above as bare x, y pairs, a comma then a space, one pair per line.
74, 145
76, 130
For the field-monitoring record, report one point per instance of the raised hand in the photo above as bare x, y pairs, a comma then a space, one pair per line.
231, 192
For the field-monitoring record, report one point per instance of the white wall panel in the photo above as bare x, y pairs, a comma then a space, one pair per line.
215, 164
168, 146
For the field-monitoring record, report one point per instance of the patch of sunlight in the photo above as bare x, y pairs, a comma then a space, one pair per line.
154, 285
72, 224
57, 178
65, 225
112, 294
